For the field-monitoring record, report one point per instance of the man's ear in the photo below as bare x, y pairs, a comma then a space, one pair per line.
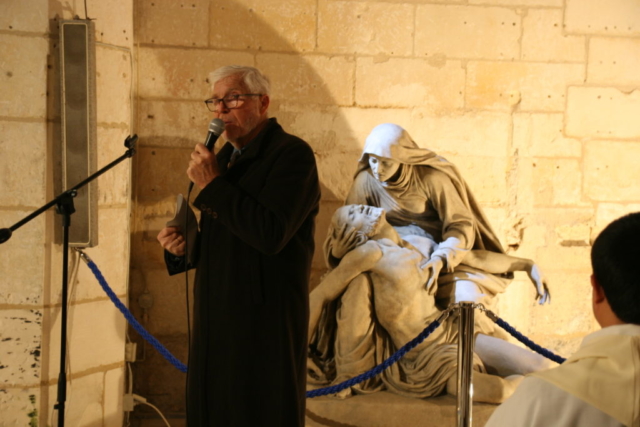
597, 291
264, 103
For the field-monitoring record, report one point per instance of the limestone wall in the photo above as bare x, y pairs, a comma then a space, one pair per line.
30, 262
534, 100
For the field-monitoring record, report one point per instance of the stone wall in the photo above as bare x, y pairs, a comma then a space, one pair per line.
534, 100
30, 262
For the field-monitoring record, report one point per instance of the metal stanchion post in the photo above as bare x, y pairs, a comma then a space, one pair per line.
465, 364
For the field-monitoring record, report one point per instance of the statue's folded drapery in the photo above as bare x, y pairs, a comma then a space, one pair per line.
421, 373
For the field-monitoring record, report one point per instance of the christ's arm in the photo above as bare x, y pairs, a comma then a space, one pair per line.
359, 260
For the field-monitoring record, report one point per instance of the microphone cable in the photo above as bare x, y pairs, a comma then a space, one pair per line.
186, 281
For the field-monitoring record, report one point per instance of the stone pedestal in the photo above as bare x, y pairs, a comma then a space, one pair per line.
385, 409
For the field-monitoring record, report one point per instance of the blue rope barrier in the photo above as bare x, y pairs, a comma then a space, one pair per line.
526, 341
132, 320
378, 369
313, 393
326, 390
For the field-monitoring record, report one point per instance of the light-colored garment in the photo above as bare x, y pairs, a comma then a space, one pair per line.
598, 386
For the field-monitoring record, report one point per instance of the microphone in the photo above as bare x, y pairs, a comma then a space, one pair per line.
216, 127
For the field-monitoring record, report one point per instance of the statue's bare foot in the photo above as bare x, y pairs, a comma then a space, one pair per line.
342, 394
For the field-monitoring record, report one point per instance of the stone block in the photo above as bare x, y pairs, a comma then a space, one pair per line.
322, 126
408, 1
23, 269
20, 406
602, 17
336, 137
525, 3
485, 177
17, 15
111, 256
533, 237
113, 86
114, 186
114, 389
168, 314
467, 32
21, 349
497, 217
253, 24
602, 112
85, 396
542, 135
336, 171
314, 79
167, 22
113, 21
522, 185
574, 235
608, 212
543, 38
611, 171
96, 337
557, 181
532, 86
614, 61
565, 258
23, 76
558, 218
570, 310
464, 134
162, 172
23, 146
159, 381
166, 123
360, 122
53, 84
400, 82
165, 76
365, 28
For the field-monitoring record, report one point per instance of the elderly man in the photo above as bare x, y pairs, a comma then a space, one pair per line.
600, 384
247, 363
397, 270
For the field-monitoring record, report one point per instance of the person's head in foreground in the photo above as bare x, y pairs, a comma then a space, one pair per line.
599, 385
616, 272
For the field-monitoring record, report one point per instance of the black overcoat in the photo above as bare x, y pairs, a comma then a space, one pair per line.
247, 364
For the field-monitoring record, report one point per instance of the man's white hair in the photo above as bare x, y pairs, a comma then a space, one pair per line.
253, 79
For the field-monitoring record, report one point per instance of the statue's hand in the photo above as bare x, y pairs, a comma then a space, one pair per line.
540, 282
346, 240
432, 267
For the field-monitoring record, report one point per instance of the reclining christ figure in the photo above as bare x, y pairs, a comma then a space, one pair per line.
401, 293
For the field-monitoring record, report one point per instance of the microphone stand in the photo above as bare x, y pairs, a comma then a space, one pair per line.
64, 206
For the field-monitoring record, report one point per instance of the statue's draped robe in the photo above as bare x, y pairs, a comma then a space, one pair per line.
429, 192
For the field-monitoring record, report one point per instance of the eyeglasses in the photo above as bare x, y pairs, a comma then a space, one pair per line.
229, 101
